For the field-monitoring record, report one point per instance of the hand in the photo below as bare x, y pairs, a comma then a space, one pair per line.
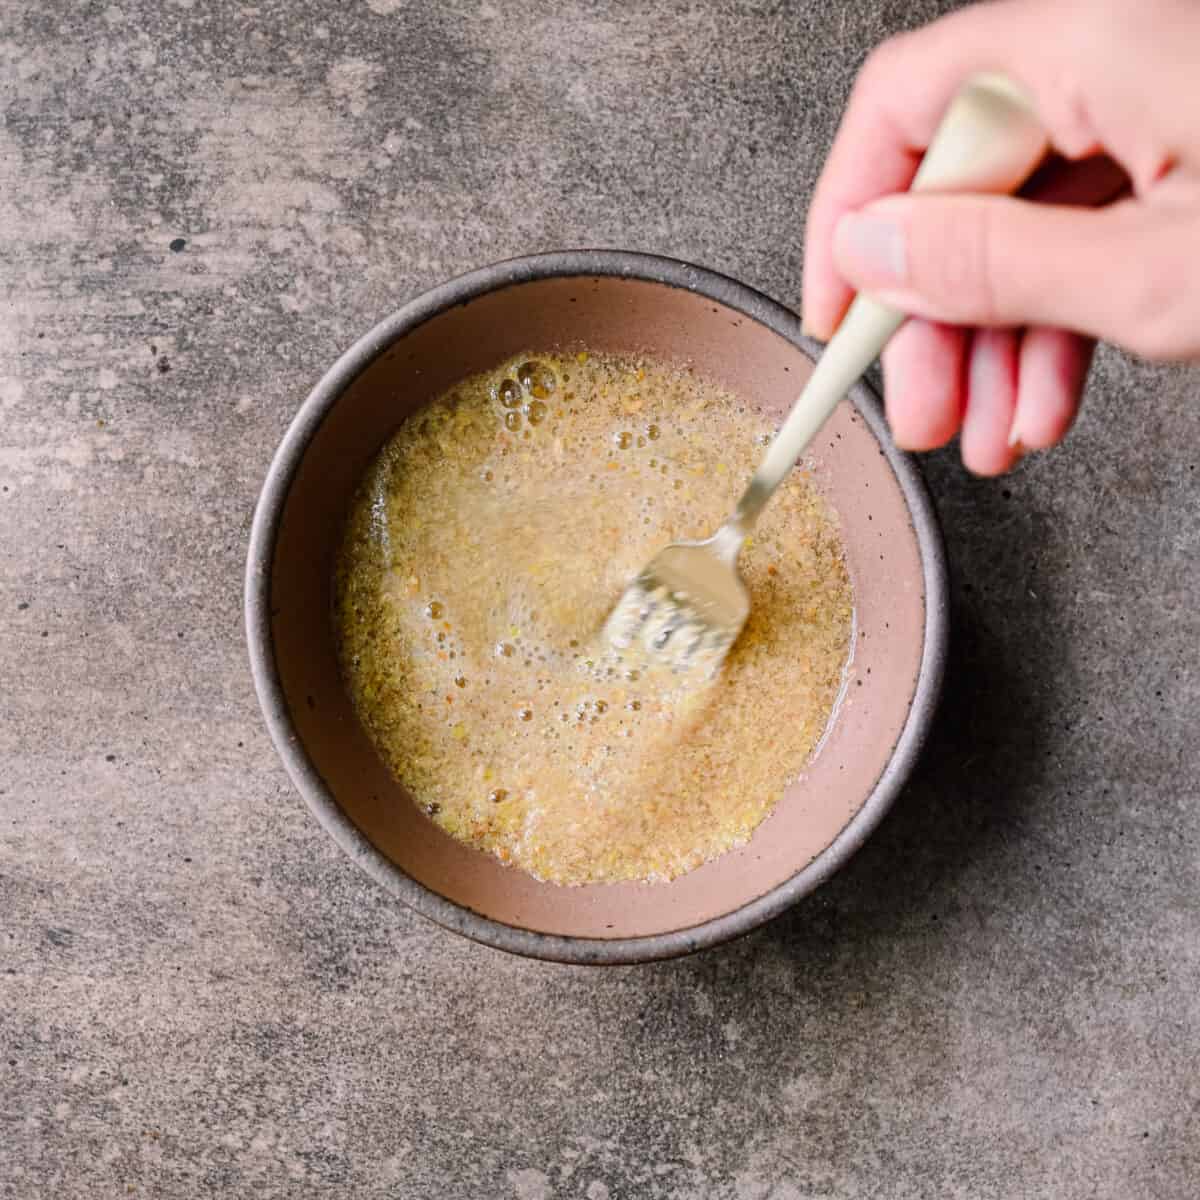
1009, 292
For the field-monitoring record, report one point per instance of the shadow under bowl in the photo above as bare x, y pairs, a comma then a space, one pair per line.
623, 303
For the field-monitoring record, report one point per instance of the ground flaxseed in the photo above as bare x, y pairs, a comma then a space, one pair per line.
484, 550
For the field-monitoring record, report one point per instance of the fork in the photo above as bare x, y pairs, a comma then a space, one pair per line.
686, 608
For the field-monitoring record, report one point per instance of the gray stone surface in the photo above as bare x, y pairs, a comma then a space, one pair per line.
198, 994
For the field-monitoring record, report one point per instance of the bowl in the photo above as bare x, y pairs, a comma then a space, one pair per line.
618, 302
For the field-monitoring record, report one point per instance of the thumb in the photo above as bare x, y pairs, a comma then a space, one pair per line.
1119, 272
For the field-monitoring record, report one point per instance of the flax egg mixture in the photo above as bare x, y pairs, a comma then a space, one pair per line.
486, 546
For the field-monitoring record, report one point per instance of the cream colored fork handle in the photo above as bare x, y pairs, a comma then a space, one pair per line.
989, 141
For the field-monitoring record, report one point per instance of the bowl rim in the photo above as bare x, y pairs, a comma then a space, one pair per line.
265, 528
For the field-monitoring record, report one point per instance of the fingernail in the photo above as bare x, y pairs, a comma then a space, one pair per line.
870, 248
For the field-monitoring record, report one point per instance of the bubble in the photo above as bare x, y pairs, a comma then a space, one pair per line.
509, 393
537, 379
512, 420
536, 412
434, 609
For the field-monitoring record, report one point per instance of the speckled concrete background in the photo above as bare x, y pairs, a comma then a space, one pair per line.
200, 205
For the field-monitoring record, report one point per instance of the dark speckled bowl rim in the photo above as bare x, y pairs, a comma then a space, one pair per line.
571, 263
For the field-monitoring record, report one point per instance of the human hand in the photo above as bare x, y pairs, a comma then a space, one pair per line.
1008, 293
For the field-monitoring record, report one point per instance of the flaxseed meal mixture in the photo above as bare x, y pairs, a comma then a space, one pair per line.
487, 545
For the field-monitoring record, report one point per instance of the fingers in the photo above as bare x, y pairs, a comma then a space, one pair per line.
1023, 392
926, 373
1075, 66
991, 402
898, 100
1052, 370
870, 158
925, 384
1119, 272
1006, 391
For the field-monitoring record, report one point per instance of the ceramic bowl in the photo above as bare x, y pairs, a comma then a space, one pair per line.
618, 302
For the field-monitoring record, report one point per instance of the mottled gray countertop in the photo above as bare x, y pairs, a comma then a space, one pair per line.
201, 204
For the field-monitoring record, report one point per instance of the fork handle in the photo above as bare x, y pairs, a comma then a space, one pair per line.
990, 140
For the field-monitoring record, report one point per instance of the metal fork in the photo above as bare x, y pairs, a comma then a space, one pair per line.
688, 605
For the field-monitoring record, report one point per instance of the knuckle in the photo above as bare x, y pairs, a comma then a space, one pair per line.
1156, 328
882, 62
1068, 106
1159, 318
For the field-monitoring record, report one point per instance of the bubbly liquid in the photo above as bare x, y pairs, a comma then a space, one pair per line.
487, 545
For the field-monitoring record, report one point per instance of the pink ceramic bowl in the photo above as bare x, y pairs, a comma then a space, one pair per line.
629, 303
